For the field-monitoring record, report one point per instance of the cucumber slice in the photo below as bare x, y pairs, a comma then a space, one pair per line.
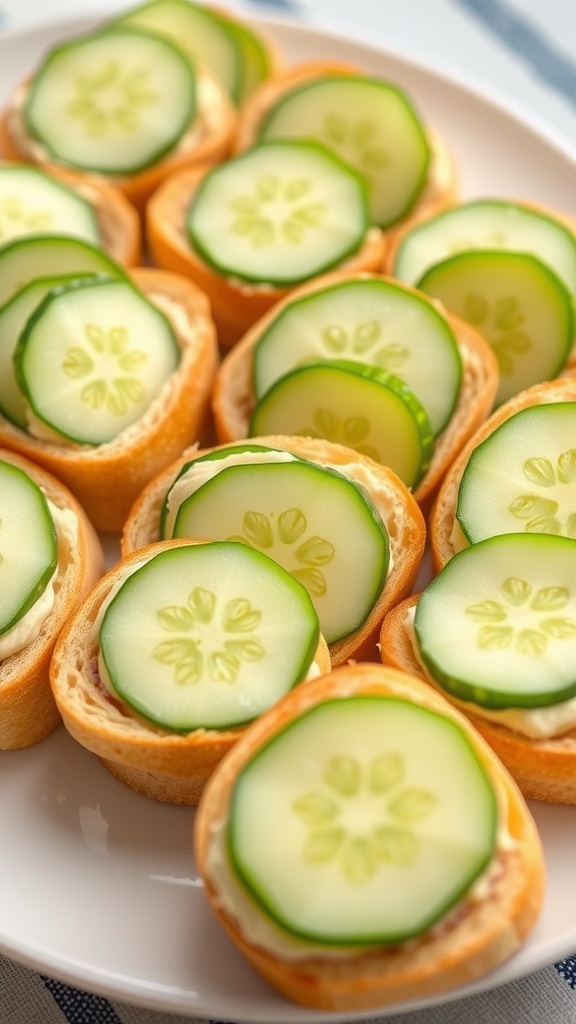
201, 33
374, 322
521, 477
487, 224
363, 407
46, 255
520, 306
114, 101
93, 357
14, 315
371, 124
207, 636
279, 213
28, 544
312, 520
255, 65
497, 626
31, 201
363, 821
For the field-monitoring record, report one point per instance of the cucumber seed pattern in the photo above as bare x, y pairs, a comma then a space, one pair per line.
358, 143
523, 618
285, 534
278, 211
501, 326
108, 369
192, 656
538, 510
365, 340
364, 816
352, 431
110, 101
16, 219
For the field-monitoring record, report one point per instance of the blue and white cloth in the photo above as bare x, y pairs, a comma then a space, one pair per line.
526, 50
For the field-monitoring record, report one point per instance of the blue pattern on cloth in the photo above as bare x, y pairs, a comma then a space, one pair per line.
522, 36
567, 970
80, 1007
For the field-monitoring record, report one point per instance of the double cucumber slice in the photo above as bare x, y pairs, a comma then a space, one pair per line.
312, 520
279, 213
520, 306
93, 357
497, 626
114, 102
14, 316
363, 407
522, 476
207, 636
28, 545
48, 255
374, 322
487, 224
370, 124
31, 201
363, 821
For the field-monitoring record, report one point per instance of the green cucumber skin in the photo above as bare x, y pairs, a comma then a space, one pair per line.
251, 882
266, 132
92, 234
255, 64
359, 290
48, 523
278, 279
112, 172
468, 689
172, 555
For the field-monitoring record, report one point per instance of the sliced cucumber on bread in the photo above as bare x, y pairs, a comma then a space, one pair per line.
23, 259
32, 201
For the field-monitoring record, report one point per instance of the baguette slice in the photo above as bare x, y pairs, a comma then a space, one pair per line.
208, 141
479, 934
441, 521
442, 185
107, 479
236, 304
28, 712
167, 766
543, 769
403, 519
118, 221
233, 397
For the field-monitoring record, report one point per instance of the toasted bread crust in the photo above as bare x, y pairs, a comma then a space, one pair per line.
236, 305
403, 519
470, 942
543, 769
163, 765
210, 144
233, 398
28, 712
441, 520
106, 479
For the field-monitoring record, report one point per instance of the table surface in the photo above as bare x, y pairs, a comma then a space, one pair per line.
524, 50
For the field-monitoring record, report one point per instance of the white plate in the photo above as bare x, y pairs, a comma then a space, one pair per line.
98, 886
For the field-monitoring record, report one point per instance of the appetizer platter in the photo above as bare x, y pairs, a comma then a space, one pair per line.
108, 889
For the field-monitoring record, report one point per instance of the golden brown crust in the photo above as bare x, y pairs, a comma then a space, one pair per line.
543, 769
233, 398
403, 519
236, 305
470, 943
106, 479
27, 709
210, 143
441, 520
163, 765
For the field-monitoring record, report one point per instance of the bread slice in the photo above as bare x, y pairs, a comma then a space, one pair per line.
484, 929
107, 479
28, 712
544, 769
207, 141
233, 397
167, 766
441, 520
236, 304
403, 519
